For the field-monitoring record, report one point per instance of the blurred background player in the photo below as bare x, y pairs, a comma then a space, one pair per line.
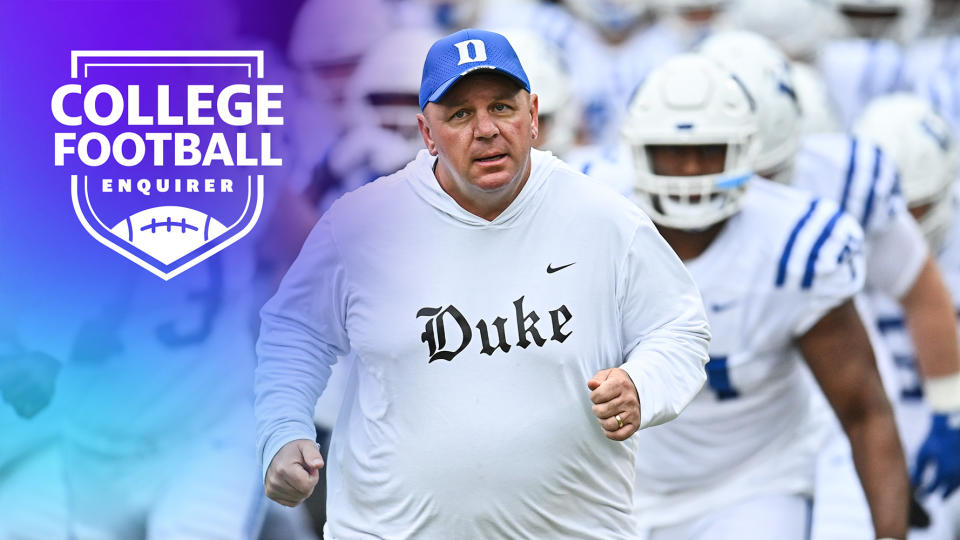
870, 59
896, 259
777, 270
605, 46
558, 110
327, 42
798, 27
778, 22
685, 23
928, 407
381, 101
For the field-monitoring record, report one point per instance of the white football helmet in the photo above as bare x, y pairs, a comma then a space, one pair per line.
328, 40
691, 101
818, 114
610, 17
897, 20
778, 21
922, 145
385, 89
765, 71
550, 81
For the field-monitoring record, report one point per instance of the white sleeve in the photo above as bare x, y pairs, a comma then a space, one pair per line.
895, 255
895, 247
831, 273
665, 332
302, 332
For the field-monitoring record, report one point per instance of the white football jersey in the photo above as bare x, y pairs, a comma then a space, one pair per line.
777, 266
775, 269
864, 182
858, 70
929, 55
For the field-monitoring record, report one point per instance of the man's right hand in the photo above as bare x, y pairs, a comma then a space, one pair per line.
294, 472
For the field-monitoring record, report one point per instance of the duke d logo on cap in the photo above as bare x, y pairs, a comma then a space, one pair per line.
463, 52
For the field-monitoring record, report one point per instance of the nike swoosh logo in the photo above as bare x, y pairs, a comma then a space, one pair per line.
717, 308
551, 269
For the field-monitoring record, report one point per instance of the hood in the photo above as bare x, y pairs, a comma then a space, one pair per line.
427, 187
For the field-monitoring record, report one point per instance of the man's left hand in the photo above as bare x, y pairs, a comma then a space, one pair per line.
941, 450
614, 394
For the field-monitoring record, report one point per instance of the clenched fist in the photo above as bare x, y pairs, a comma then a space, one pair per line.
613, 393
294, 472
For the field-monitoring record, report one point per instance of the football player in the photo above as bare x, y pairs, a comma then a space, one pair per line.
922, 145
870, 59
897, 262
777, 269
381, 99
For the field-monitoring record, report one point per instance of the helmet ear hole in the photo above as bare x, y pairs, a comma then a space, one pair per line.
693, 151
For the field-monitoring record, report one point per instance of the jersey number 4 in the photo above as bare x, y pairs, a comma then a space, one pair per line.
718, 377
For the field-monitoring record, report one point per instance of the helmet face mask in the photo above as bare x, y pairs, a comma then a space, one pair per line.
691, 131
871, 23
327, 42
327, 81
898, 20
684, 182
935, 219
396, 112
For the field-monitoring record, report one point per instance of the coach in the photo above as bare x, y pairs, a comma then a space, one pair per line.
497, 306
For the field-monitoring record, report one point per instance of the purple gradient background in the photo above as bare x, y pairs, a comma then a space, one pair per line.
45, 249
55, 276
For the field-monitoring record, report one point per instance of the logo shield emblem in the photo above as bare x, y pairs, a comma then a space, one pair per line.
168, 150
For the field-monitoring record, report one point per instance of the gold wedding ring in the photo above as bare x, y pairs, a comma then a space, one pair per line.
619, 422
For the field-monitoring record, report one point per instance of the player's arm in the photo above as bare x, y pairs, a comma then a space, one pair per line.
302, 333
933, 330
839, 354
901, 265
932, 324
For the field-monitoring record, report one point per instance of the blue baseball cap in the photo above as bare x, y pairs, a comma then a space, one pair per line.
464, 52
